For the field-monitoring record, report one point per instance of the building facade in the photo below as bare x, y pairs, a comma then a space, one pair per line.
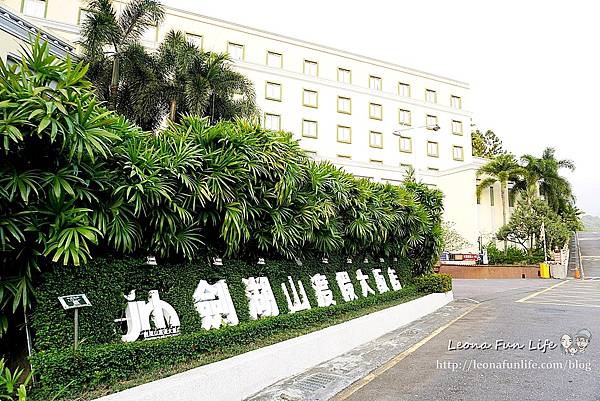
341, 106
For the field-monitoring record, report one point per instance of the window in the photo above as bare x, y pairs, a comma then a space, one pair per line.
405, 144
433, 149
374, 83
491, 196
511, 198
344, 156
457, 127
455, 102
344, 75
312, 153
235, 50
311, 68
273, 121
478, 192
197, 40
375, 139
344, 105
149, 34
432, 169
458, 153
375, 161
34, 8
274, 60
405, 165
309, 129
310, 98
375, 111
403, 89
430, 96
344, 134
83, 15
272, 91
431, 122
404, 117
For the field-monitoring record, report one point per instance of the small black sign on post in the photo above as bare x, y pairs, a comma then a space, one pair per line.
74, 302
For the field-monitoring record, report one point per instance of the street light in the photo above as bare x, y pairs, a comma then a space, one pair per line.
431, 127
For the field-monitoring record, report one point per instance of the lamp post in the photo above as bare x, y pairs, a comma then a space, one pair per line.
398, 132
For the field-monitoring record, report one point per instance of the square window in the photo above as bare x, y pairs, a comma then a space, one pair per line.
310, 98
34, 8
431, 122
376, 139
457, 127
344, 76
458, 153
235, 50
374, 83
433, 149
404, 117
273, 122
196, 40
405, 144
344, 105
455, 102
430, 96
311, 68
433, 169
274, 60
344, 157
403, 89
375, 111
375, 161
344, 134
272, 91
309, 129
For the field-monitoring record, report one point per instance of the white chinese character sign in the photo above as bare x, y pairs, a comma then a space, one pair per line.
294, 302
138, 314
380, 281
214, 305
394, 279
261, 301
321, 286
364, 284
345, 285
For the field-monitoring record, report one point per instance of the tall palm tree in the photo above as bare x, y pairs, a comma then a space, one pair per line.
502, 169
103, 30
545, 172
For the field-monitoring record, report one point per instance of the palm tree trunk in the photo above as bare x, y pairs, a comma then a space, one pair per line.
114, 83
503, 193
173, 110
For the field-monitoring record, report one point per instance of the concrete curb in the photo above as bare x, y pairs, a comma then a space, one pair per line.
242, 376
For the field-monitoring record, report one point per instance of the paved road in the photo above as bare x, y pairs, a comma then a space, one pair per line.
509, 311
589, 244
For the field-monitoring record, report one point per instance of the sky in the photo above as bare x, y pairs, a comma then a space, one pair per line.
533, 66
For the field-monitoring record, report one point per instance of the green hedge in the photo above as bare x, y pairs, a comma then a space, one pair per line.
513, 256
103, 359
433, 283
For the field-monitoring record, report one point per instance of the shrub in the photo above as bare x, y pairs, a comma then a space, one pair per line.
434, 282
513, 256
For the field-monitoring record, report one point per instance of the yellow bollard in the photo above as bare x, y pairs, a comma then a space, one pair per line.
544, 270
577, 272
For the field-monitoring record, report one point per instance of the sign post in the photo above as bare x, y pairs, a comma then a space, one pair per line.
74, 302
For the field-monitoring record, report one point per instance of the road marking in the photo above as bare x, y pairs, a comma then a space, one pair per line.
354, 387
562, 304
541, 292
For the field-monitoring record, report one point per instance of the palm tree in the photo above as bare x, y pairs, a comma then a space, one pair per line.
103, 30
501, 169
544, 172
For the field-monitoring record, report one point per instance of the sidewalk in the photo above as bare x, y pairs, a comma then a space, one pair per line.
325, 380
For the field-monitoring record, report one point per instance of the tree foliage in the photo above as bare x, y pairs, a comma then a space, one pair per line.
486, 144
453, 240
78, 180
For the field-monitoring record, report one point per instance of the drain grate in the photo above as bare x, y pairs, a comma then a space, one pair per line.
315, 382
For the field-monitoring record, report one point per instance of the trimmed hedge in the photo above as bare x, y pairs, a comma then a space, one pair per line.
433, 283
103, 359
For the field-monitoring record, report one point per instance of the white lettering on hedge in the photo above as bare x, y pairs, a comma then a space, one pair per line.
294, 302
214, 304
394, 279
138, 313
346, 287
321, 286
380, 281
364, 285
261, 300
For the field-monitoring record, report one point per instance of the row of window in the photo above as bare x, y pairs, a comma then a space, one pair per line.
310, 98
310, 129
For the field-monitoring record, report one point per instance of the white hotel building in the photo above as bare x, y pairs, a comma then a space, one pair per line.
341, 106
